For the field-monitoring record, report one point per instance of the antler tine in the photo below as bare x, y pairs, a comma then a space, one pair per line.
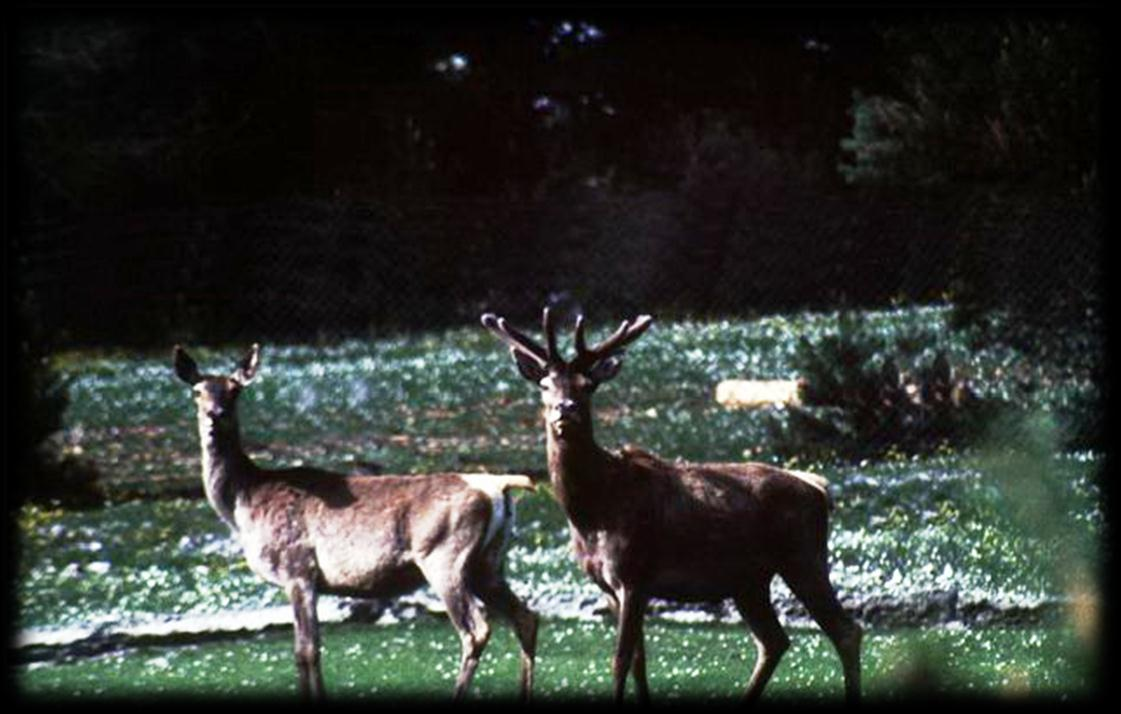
626, 333
602, 345
550, 330
581, 347
517, 341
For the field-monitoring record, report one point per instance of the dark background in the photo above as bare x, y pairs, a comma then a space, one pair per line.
295, 175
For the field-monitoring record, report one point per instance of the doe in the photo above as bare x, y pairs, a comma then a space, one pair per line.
312, 531
642, 527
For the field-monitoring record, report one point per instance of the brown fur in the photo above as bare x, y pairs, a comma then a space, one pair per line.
312, 531
643, 527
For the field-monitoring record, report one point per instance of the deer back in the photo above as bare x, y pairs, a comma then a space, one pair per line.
366, 533
692, 530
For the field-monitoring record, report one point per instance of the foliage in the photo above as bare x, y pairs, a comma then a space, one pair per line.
39, 401
1004, 99
104, 130
860, 402
993, 123
406, 174
1082, 418
314, 270
451, 399
1058, 343
1037, 257
879, 125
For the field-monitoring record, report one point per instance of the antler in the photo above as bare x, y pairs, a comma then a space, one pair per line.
547, 326
550, 355
626, 333
519, 342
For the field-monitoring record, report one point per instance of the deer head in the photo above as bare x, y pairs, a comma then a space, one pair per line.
216, 396
567, 385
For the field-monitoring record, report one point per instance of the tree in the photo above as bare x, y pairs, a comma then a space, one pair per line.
995, 122
1009, 102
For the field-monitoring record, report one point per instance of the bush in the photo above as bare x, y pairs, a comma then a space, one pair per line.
49, 478
859, 402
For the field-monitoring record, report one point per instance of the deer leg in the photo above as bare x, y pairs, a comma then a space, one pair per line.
306, 623
638, 668
810, 583
496, 594
771, 641
449, 580
474, 632
632, 608
638, 664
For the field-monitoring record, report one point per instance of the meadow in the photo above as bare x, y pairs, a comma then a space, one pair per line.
416, 661
1007, 540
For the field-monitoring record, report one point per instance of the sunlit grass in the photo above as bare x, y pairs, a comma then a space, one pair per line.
991, 528
901, 528
453, 400
419, 659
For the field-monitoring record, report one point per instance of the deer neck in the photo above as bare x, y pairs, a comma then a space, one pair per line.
578, 473
224, 465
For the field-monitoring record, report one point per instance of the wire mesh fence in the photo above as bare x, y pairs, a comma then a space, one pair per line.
322, 271
316, 269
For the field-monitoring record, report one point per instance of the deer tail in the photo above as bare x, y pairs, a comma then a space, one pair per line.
499, 483
510, 481
497, 488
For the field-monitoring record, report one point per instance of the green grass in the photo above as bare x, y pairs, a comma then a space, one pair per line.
453, 400
999, 528
902, 528
419, 659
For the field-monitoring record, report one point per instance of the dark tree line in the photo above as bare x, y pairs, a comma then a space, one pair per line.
285, 175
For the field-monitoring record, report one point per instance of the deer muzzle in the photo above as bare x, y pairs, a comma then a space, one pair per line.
563, 415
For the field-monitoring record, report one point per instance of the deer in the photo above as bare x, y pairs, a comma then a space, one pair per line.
314, 532
642, 527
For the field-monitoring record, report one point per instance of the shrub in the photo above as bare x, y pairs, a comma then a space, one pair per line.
49, 478
859, 402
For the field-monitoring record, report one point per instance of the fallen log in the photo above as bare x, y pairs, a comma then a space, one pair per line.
758, 393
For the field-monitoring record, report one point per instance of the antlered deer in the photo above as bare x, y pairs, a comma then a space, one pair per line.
642, 527
311, 531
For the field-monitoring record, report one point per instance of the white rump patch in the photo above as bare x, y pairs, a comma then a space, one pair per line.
494, 487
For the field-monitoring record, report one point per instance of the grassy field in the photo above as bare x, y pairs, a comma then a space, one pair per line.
453, 400
418, 660
999, 530
904, 528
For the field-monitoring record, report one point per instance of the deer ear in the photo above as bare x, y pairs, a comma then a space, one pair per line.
247, 368
185, 367
528, 366
605, 369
